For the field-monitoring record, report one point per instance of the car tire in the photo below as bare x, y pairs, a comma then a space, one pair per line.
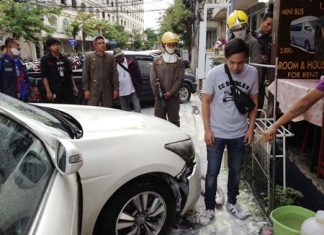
139, 205
184, 93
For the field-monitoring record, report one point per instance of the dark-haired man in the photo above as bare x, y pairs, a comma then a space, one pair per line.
225, 126
100, 76
57, 75
14, 80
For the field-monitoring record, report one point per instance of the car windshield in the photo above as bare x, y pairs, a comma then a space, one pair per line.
53, 125
314, 24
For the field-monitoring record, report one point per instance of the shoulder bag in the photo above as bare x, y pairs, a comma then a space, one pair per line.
243, 102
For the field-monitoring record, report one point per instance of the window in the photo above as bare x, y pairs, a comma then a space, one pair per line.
253, 22
74, 5
296, 27
97, 13
65, 26
83, 6
145, 65
103, 15
25, 171
63, 2
52, 20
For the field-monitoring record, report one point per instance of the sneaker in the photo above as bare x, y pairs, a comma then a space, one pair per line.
206, 217
236, 210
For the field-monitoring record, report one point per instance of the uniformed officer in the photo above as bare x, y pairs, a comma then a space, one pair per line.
166, 77
57, 75
100, 76
14, 80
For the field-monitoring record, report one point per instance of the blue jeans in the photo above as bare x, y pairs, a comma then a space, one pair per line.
235, 149
125, 100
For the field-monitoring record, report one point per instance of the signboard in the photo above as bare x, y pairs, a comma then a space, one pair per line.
296, 37
185, 54
73, 42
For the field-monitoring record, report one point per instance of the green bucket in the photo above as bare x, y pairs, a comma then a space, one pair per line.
287, 220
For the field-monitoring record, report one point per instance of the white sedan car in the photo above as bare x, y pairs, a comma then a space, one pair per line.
89, 170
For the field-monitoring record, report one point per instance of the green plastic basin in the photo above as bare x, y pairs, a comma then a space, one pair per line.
287, 220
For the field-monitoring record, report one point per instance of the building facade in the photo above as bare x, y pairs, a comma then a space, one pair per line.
210, 19
128, 13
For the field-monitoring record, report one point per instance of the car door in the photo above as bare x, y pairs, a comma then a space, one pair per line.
145, 64
34, 197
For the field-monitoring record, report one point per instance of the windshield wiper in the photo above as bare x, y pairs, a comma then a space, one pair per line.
71, 125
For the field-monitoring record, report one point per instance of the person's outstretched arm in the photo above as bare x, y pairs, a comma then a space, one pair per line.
298, 108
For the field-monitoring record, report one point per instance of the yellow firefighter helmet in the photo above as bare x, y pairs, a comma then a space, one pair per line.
237, 19
169, 37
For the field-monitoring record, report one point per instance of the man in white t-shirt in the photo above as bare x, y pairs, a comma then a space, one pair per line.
129, 81
224, 125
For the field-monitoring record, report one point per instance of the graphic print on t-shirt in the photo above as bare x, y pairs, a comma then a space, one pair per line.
228, 93
60, 67
225, 119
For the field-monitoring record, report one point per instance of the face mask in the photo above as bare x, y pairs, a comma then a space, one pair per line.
170, 50
15, 52
240, 34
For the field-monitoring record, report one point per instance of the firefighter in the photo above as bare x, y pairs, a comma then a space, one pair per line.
166, 77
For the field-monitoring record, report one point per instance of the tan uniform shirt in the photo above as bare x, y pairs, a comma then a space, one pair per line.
99, 71
100, 77
170, 75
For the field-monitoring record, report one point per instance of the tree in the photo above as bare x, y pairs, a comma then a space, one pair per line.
115, 32
25, 19
81, 24
177, 19
151, 39
137, 39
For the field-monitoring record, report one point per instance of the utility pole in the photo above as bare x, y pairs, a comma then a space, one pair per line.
202, 38
117, 16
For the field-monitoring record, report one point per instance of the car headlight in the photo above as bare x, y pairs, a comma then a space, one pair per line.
185, 149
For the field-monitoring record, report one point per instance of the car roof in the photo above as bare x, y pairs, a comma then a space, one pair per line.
149, 52
304, 19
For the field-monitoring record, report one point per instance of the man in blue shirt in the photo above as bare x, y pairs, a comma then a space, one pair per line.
14, 80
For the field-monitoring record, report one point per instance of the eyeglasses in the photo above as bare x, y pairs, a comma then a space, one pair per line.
170, 44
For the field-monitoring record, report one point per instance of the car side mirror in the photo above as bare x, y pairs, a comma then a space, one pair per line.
69, 159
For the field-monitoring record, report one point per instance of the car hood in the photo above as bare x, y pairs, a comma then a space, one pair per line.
98, 121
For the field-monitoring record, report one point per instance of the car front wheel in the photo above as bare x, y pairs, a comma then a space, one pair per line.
140, 208
184, 93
